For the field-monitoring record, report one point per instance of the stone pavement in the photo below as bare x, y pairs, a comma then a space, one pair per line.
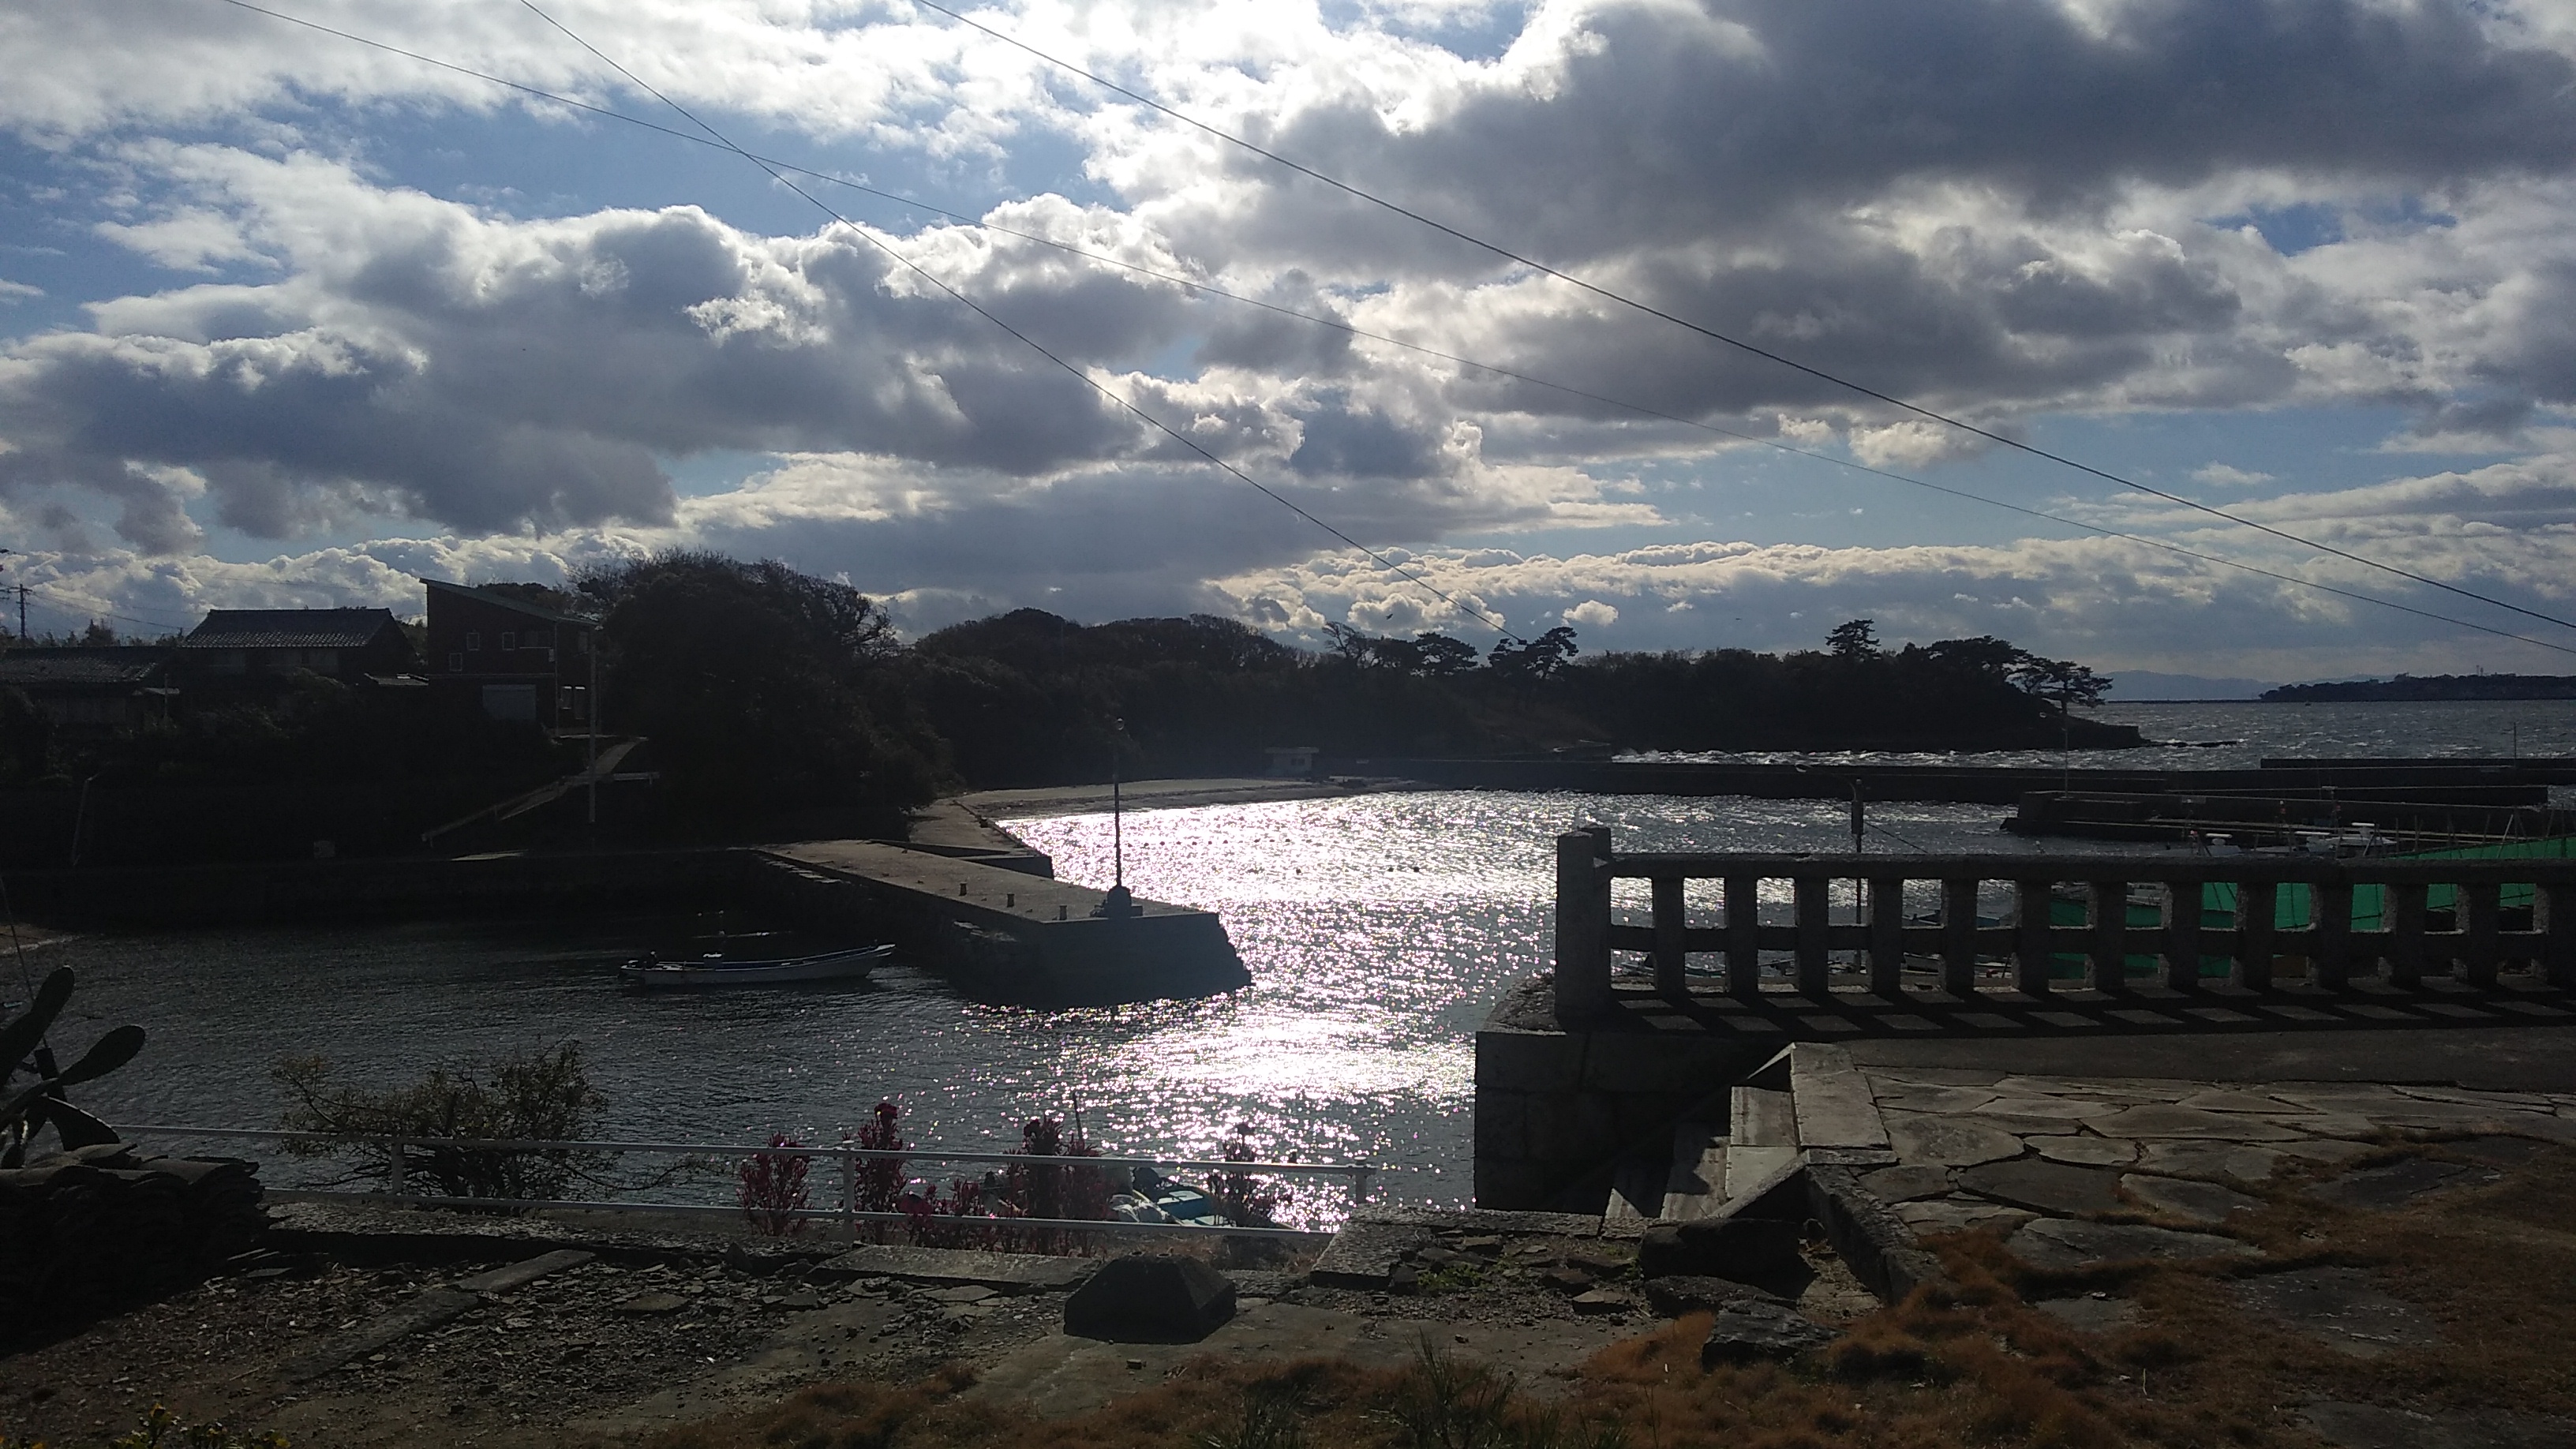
2038, 1157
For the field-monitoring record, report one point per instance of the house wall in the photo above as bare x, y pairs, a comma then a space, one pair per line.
482, 655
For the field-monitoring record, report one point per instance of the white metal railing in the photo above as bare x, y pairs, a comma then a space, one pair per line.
848, 1213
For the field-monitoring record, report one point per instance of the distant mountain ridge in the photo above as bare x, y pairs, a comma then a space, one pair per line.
2134, 686
2429, 687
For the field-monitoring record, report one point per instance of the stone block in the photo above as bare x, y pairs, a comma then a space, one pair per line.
1502, 1123
1641, 1113
1571, 1128
1751, 1329
1529, 1061
1691, 1066
1147, 1298
1513, 1184
1748, 1250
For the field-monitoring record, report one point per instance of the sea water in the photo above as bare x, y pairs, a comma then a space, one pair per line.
1379, 930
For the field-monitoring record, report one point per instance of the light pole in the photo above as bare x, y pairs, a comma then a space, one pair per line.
1118, 903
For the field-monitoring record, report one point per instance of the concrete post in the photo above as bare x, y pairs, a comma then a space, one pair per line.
1582, 924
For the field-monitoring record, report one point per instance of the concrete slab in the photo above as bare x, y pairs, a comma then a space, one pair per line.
1960, 1215
1831, 1099
2047, 1187
2085, 1150
2199, 1202
2395, 1184
2163, 1121
1921, 1138
2064, 1245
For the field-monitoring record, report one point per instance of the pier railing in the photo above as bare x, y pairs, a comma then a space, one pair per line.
2246, 920
847, 1210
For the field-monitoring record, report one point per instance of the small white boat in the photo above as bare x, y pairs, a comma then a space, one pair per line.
651, 973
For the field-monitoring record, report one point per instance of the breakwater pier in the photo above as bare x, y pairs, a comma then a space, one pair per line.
973, 906
1625, 1064
1005, 934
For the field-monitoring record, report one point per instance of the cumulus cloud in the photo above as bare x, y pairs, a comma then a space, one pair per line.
2011, 209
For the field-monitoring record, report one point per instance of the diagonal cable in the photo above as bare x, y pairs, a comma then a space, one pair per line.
1500, 624
1621, 299
1197, 285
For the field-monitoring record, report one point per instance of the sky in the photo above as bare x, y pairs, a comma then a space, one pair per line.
289, 319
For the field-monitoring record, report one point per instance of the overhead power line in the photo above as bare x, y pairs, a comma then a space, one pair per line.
1501, 625
1820, 374
1201, 286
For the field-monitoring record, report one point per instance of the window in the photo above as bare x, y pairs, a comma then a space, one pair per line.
509, 641
456, 664
473, 641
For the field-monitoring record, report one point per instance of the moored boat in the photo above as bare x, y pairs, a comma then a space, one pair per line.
651, 973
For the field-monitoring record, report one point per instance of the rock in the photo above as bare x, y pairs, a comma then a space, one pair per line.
1673, 1297
2212, 1159
1904, 1184
1603, 1300
1404, 1279
1752, 1329
1943, 1100
2092, 1313
1920, 1139
2063, 1245
1485, 1243
971, 1293
2062, 1109
2340, 1307
2236, 1099
2159, 1120
653, 1303
1960, 1215
1601, 1262
949, 1267
2394, 1184
1144, 1298
2201, 1202
1568, 1279
2087, 1150
1366, 1251
2048, 1187
1436, 1257
1753, 1250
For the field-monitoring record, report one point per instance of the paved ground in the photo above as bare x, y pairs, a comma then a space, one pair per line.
2027, 1154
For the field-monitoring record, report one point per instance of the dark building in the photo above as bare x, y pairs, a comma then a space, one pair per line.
101, 687
353, 646
508, 655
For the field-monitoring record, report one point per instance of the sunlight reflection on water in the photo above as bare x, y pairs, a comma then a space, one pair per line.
1379, 931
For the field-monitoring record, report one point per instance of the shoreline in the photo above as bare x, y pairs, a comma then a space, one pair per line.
1048, 801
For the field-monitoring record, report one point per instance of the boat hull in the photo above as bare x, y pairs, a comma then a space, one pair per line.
699, 976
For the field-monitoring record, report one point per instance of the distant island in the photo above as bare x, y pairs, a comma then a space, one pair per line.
2437, 686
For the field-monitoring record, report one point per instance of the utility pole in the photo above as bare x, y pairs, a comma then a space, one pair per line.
590, 636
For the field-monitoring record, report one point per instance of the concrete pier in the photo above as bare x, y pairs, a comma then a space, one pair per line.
1004, 934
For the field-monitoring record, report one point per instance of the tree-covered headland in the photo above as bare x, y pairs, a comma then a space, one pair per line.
767, 694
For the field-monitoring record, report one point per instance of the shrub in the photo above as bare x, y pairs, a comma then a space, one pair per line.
545, 1096
773, 1191
1243, 1198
